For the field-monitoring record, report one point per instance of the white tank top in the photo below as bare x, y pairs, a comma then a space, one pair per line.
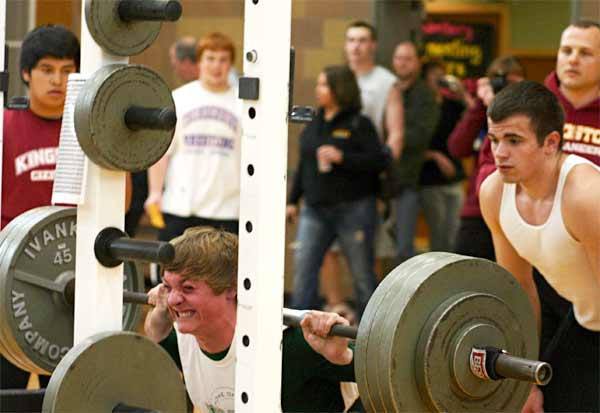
551, 249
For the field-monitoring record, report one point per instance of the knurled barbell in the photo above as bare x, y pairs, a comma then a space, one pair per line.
429, 338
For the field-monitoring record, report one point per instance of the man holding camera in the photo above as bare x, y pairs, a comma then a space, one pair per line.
466, 141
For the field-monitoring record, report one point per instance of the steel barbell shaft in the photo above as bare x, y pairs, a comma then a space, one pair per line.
139, 117
292, 318
149, 10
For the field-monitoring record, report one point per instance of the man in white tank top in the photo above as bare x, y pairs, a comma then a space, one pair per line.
541, 206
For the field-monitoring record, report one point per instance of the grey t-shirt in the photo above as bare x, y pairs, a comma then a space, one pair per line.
374, 89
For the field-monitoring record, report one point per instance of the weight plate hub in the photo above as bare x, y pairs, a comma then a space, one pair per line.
115, 35
37, 262
100, 117
111, 368
434, 307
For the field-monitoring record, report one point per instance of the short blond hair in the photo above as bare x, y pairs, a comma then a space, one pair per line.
207, 254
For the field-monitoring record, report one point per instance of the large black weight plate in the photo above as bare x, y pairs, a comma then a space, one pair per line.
115, 368
413, 319
115, 35
100, 117
37, 320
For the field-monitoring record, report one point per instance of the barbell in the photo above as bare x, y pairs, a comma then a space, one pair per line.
437, 334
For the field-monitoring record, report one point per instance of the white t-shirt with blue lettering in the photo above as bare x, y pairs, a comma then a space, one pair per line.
203, 176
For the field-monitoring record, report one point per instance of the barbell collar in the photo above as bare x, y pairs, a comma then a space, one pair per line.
138, 118
113, 246
149, 10
518, 368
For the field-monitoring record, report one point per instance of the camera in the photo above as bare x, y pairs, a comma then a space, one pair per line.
498, 82
450, 82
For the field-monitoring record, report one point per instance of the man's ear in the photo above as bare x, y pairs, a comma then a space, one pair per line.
551, 143
231, 293
26, 76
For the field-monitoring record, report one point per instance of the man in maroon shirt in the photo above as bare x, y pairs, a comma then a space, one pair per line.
474, 238
30, 136
48, 55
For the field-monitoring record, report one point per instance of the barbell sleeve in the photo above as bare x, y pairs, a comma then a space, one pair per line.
113, 246
149, 10
135, 297
139, 117
518, 368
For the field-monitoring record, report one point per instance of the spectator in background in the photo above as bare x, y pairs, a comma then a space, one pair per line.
340, 159
48, 55
440, 183
474, 237
375, 83
200, 173
182, 55
421, 115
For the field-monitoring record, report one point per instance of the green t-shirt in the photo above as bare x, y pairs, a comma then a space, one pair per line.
310, 383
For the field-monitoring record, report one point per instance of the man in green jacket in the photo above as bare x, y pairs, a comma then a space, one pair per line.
421, 115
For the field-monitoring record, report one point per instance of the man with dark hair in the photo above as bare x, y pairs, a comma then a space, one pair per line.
195, 320
541, 206
30, 136
576, 83
182, 55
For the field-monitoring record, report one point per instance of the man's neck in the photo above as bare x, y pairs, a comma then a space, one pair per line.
44, 112
219, 339
543, 184
215, 88
406, 82
580, 97
362, 68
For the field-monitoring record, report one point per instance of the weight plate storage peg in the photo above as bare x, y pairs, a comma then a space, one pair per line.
127, 27
37, 267
116, 372
125, 117
415, 340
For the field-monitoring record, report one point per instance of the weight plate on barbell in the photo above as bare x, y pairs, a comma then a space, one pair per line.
367, 339
444, 348
115, 35
38, 259
10, 350
441, 279
100, 117
115, 368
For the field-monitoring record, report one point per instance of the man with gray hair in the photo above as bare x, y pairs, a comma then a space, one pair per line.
182, 55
